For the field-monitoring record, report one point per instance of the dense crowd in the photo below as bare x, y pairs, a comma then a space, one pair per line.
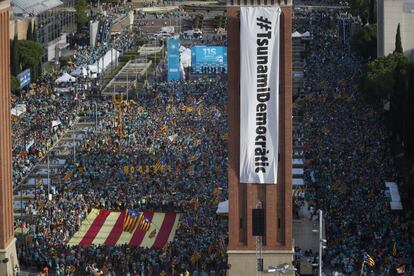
348, 159
32, 131
180, 125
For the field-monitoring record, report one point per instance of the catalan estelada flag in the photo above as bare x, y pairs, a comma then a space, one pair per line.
144, 223
369, 260
102, 227
132, 218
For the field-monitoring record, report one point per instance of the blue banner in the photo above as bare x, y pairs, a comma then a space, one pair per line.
209, 59
24, 78
173, 47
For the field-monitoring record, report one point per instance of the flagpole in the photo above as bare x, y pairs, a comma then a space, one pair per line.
362, 268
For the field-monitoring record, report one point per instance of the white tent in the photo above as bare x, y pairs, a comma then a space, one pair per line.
65, 78
223, 208
18, 110
393, 193
80, 71
56, 122
296, 34
306, 34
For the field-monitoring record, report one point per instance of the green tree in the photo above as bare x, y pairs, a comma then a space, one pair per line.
361, 8
408, 114
15, 84
64, 61
29, 35
371, 18
34, 38
398, 45
81, 15
30, 55
364, 42
398, 97
379, 80
14, 56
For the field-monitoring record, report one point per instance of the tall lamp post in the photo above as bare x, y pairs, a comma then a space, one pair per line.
322, 241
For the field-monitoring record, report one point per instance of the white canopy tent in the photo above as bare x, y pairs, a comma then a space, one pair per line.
305, 35
18, 110
80, 71
223, 208
65, 78
56, 122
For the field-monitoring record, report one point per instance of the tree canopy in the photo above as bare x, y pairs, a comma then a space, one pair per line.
379, 80
15, 66
15, 84
364, 42
81, 13
398, 44
30, 55
29, 35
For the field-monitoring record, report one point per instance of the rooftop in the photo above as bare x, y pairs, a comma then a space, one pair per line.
33, 7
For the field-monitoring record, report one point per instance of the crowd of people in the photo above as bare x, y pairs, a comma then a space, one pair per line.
183, 128
32, 131
348, 159
170, 155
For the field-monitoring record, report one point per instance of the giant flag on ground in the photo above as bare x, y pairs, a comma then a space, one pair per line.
102, 227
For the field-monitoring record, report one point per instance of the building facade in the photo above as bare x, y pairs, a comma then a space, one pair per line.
8, 255
276, 199
54, 19
390, 13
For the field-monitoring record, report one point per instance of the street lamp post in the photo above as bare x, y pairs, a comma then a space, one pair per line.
48, 177
96, 116
322, 241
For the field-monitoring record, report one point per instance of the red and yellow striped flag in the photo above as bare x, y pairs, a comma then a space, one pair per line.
369, 260
144, 223
102, 227
132, 219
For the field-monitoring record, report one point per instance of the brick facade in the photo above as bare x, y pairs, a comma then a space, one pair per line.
276, 199
6, 194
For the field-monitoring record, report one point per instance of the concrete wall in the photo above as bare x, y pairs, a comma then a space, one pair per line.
390, 14
52, 47
19, 27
